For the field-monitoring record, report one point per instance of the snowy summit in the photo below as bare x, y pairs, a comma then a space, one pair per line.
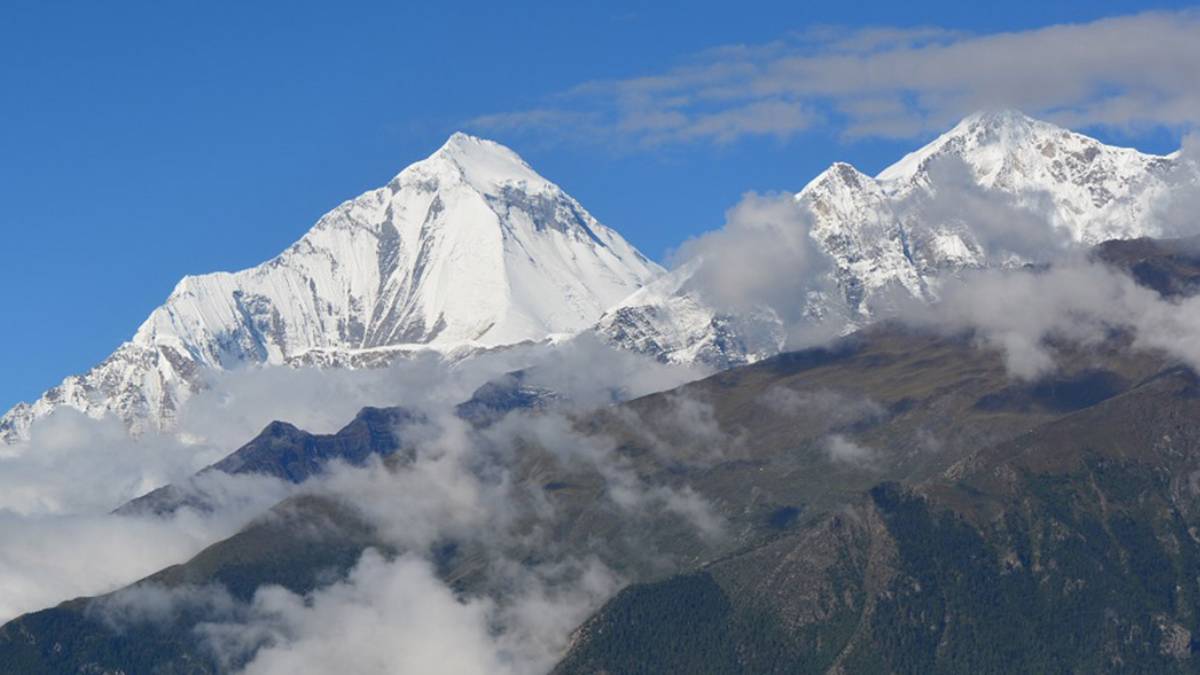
900, 233
469, 248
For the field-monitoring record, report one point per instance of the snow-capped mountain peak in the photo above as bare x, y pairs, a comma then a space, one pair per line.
469, 248
986, 136
961, 201
855, 224
485, 165
1098, 191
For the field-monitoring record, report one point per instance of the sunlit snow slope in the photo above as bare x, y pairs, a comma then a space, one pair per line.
467, 249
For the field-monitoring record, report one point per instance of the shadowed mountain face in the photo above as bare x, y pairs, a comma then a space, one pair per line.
1169, 266
283, 451
286, 452
509, 392
1071, 548
894, 502
914, 405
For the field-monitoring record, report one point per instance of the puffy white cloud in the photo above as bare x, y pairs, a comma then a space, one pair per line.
398, 615
842, 450
395, 617
763, 256
387, 614
1176, 214
587, 372
764, 271
1021, 311
59, 540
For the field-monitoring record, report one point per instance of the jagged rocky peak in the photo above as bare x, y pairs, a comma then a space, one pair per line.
467, 249
1097, 191
986, 139
1091, 191
841, 193
1004, 147
902, 232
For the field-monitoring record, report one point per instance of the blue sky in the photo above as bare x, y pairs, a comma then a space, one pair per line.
140, 142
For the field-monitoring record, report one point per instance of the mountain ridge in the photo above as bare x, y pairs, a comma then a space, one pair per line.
1000, 189
471, 249
925, 404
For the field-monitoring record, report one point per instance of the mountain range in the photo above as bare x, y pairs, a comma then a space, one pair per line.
470, 249
896, 499
929, 216
980, 523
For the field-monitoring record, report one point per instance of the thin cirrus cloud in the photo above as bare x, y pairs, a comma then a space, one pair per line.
1129, 72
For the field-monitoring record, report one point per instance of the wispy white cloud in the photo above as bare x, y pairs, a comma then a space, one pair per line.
463, 485
391, 616
48, 558
57, 489
1132, 71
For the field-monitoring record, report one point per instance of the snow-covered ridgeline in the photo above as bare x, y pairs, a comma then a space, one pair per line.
899, 233
471, 249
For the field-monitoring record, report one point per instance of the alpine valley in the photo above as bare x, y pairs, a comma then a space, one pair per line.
966, 442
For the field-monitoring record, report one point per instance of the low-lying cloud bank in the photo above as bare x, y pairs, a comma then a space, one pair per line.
474, 487
480, 491
48, 558
57, 489
1022, 311
56, 492
398, 616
